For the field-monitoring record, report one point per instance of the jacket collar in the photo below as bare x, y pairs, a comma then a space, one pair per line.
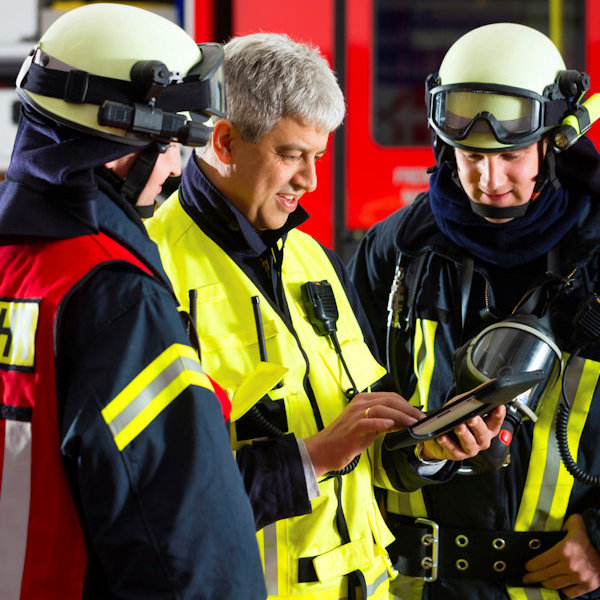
32, 216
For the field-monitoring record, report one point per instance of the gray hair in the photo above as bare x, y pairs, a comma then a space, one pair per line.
269, 76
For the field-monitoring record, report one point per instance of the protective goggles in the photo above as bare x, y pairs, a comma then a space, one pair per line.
515, 117
203, 88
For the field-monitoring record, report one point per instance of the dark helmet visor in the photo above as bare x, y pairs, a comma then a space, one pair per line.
210, 69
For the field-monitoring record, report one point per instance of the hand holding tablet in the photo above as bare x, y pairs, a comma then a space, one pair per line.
476, 402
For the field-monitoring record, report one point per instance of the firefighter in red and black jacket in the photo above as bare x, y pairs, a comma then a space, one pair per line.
117, 480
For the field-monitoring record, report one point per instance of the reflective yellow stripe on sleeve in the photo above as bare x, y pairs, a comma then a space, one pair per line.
152, 390
424, 359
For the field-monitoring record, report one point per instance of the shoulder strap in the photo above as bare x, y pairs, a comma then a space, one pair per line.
467, 267
401, 316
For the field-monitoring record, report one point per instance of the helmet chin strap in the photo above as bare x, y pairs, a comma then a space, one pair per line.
138, 177
499, 212
145, 211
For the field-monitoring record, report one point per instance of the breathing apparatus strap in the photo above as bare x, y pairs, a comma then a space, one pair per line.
467, 268
401, 317
552, 273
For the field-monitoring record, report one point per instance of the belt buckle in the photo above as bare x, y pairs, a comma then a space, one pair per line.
430, 539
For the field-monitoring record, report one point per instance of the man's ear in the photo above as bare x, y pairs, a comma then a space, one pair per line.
222, 137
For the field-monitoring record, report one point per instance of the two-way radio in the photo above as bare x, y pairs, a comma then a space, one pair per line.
322, 312
321, 309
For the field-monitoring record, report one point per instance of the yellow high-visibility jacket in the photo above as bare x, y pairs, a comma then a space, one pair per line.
316, 543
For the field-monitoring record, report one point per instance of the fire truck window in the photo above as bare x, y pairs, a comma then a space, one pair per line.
411, 38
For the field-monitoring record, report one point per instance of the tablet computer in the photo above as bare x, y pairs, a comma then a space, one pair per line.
461, 408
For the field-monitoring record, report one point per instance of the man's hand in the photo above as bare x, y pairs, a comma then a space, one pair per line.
571, 566
471, 438
356, 428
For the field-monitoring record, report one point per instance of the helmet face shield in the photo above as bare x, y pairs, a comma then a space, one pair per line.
474, 115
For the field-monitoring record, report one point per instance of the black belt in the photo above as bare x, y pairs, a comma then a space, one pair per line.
424, 549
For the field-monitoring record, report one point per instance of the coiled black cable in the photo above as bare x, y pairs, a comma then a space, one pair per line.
266, 425
271, 429
347, 469
572, 467
354, 462
562, 420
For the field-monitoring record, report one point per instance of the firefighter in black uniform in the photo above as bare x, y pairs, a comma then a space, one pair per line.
117, 476
495, 270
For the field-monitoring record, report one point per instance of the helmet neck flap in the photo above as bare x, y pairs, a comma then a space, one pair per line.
118, 73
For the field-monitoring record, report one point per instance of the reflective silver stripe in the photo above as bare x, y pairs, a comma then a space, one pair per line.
372, 588
151, 391
532, 593
270, 558
15, 496
553, 461
143, 399
540, 594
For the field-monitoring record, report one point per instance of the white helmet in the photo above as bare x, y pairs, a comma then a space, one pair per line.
123, 72
501, 87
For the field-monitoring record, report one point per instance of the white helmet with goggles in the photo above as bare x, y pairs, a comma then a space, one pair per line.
501, 87
124, 73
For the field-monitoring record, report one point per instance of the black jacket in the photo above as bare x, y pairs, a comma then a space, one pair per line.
487, 501
167, 516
